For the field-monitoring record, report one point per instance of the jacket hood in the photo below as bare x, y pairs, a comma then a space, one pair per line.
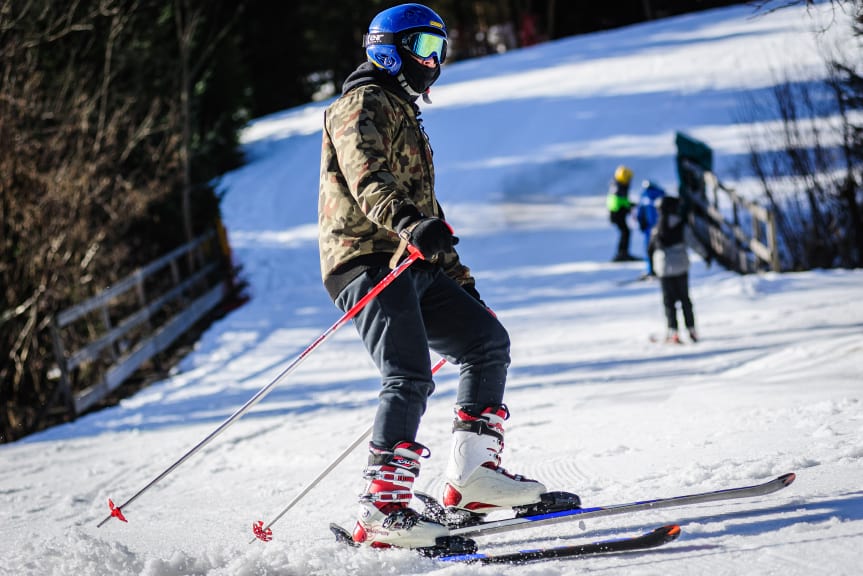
367, 73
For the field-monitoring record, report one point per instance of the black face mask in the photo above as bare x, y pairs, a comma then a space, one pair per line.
419, 77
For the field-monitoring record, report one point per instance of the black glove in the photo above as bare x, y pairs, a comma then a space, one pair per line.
431, 236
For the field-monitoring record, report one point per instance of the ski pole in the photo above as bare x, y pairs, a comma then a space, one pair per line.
414, 255
264, 532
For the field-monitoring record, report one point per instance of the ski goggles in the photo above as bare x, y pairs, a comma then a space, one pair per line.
424, 45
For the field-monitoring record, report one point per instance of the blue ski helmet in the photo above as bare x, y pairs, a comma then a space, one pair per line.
415, 28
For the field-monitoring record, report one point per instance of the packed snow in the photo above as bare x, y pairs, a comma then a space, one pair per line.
525, 144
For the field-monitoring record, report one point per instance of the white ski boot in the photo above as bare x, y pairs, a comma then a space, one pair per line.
475, 480
385, 518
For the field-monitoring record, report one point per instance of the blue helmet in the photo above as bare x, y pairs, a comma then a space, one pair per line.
415, 28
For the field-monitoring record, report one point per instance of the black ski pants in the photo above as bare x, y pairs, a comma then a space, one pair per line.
425, 309
619, 219
676, 289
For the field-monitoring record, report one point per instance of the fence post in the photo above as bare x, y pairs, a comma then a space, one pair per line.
64, 387
772, 244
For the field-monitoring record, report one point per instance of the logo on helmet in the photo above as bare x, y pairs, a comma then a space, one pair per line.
384, 60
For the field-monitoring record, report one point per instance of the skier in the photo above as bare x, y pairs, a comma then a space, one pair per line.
376, 197
671, 263
619, 207
647, 215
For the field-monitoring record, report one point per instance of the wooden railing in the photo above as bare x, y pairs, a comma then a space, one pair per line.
724, 226
134, 320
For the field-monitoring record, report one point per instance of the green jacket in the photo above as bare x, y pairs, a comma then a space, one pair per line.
375, 160
618, 198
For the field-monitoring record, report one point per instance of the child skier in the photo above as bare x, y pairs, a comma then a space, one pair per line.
619, 207
647, 215
671, 264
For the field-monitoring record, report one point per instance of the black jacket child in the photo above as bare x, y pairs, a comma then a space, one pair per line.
667, 248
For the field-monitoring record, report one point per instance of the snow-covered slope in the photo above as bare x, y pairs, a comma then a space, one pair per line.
525, 143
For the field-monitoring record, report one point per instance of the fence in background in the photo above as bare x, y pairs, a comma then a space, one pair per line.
124, 326
724, 226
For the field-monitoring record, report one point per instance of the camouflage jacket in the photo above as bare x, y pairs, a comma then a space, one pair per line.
375, 160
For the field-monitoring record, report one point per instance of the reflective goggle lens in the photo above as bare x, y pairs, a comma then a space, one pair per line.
424, 45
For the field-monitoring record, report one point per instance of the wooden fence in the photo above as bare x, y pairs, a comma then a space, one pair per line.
724, 226
124, 326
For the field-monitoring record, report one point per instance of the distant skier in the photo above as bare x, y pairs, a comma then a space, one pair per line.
376, 197
667, 249
619, 207
647, 215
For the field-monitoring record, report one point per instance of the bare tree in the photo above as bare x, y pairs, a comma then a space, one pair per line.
814, 184
197, 39
84, 154
648, 9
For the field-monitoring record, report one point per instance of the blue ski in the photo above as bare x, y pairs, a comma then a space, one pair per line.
542, 519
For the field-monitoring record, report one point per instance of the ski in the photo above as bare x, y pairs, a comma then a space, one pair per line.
657, 339
457, 549
652, 539
484, 527
458, 546
641, 278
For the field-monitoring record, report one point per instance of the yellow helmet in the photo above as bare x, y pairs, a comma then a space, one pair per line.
623, 175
